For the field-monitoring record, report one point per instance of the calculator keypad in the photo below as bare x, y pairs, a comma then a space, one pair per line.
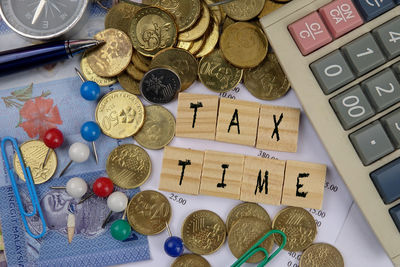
396, 68
388, 35
371, 9
386, 181
391, 123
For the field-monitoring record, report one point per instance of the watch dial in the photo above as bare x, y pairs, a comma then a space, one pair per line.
42, 18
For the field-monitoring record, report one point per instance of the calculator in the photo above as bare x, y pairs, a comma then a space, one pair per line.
342, 58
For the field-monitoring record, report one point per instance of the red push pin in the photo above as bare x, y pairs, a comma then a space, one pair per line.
53, 138
102, 187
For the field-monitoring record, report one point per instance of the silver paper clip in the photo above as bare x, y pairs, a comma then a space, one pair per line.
29, 183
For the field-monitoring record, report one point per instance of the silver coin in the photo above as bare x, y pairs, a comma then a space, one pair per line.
160, 85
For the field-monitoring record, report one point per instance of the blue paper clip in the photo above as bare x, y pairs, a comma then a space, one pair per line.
255, 248
29, 184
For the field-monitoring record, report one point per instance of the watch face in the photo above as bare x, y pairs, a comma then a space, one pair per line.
42, 19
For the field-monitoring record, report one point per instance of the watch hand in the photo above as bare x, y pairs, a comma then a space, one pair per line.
38, 11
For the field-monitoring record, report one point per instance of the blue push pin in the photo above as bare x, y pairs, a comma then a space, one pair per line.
90, 131
89, 90
173, 246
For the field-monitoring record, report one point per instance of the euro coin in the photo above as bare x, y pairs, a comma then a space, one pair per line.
190, 260
158, 128
211, 40
128, 166
321, 254
128, 83
244, 9
299, 227
134, 72
120, 16
148, 212
34, 153
138, 63
199, 28
119, 114
247, 210
89, 74
203, 232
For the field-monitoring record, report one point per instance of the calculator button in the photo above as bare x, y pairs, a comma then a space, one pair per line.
396, 68
387, 182
332, 72
382, 89
395, 214
341, 16
363, 54
371, 143
310, 33
371, 9
352, 107
388, 36
391, 123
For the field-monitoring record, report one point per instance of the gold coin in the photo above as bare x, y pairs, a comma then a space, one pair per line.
148, 212
34, 152
158, 129
321, 254
211, 41
227, 22
120, 16
299, 227
243, 38
120, 114
184, 45
244, 9
197, 45
128, 83
180, 61
267, 81
134, 72
138, 63
144, 59
247, 210
128, 166
216, 11
152, 29
199, 28
186, 12
203, 232
190, 260
218, 74
269, 7
113, 57
244, 233
91, 76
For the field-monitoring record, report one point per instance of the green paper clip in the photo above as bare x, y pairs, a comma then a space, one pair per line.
255, 248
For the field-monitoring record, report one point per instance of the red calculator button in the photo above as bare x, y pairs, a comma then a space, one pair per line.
310, 33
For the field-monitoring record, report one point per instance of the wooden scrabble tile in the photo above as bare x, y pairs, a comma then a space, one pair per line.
278, 128
197, 116
304, 184
262, 180
181, 170
222, 174
237, 121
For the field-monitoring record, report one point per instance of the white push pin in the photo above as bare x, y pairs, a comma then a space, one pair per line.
76, 187
116, 202
78, 153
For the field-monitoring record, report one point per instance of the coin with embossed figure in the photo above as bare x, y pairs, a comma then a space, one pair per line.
34, 152
321, 254
203, 232
160, 85
148, 212
199, 28
89, 74
217, 74
152, 29
128, 83
244, 233
267, 81
158, 128
299, 227
190, 260
119, 114
128, 166
247, 210
243, 9
120, 15
113, 57
181, 61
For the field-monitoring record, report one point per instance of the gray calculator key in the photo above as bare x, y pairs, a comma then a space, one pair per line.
396, 68
352, 107
388, 36
387, 182
391, 123
332, 72
371, 143
382, 89
395, 214
363, 54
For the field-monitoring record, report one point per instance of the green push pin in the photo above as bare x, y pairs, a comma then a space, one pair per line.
121, 229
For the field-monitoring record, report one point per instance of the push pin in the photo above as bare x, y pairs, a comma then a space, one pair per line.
78, 153
76, 187
173, 246
121, 229
102, 187
116, 202
53, 138
90, 131
89, 90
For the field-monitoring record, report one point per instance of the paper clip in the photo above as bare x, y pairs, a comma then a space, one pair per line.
29, 184
255, 248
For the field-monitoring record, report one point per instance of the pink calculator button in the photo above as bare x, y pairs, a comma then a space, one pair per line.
310, 33
340, 17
